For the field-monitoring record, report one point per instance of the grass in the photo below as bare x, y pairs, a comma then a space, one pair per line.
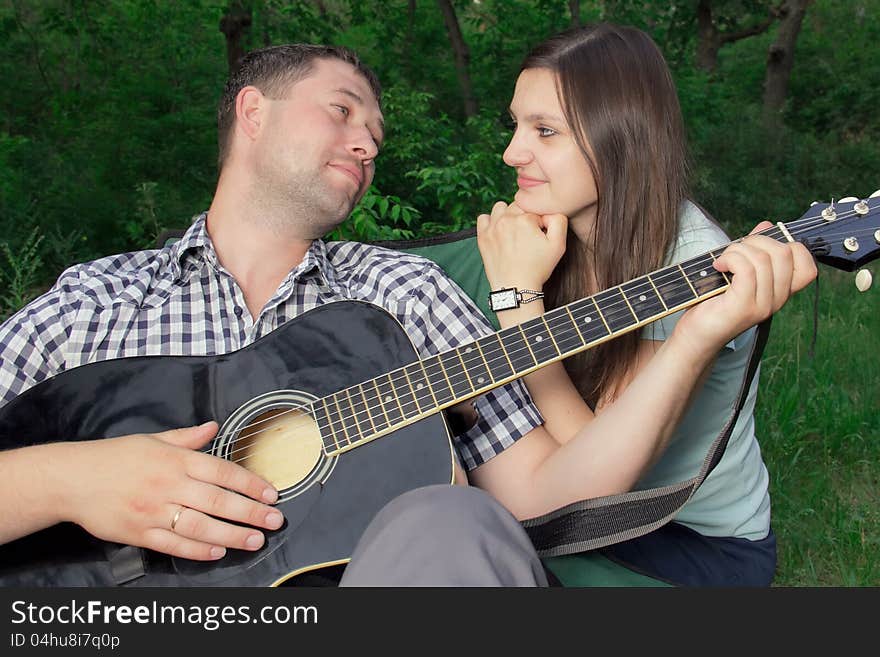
819, 427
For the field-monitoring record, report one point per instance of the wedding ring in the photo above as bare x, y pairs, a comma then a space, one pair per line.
176, 517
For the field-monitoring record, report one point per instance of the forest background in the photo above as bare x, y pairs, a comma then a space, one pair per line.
107, 138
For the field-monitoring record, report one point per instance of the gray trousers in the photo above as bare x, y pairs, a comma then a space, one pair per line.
444, 536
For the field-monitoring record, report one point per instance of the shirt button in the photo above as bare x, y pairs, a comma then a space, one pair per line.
238, 311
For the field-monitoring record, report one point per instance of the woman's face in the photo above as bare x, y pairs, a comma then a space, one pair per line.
552, 173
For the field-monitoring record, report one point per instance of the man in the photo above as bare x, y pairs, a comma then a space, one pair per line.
300, 128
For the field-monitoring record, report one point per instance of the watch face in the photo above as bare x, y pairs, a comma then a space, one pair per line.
503, 299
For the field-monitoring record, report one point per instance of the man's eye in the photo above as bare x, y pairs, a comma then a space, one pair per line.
343, 109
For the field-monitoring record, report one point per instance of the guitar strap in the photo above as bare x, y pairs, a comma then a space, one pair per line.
597, 523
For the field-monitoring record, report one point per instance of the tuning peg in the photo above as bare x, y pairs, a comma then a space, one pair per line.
847, 199
814, 203
875, 194
863, 280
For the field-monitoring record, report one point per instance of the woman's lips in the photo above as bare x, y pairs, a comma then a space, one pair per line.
525, 183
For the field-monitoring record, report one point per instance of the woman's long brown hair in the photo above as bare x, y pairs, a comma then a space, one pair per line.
618, 96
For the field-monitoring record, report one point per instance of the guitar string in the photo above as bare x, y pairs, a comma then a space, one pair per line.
796, 227
405, 415
405, 412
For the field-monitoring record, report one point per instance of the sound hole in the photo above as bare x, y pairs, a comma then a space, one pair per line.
282, 445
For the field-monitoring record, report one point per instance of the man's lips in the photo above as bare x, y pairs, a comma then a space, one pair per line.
352, 170
525, 182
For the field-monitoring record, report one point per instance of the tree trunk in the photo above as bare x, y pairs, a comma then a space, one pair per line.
780, 57
234, 24
710, 40
574, 8
462, 56
409, 58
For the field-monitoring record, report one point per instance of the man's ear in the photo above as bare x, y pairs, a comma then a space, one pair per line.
250, 107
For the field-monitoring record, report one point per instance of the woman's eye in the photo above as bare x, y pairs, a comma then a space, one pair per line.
546, 132
342, 109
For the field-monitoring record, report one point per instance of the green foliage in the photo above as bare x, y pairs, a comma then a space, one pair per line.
378, 217
19, 273
469, 179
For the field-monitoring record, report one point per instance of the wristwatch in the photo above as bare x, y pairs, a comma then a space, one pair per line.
508, 298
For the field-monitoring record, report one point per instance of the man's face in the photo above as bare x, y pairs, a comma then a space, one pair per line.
316, 150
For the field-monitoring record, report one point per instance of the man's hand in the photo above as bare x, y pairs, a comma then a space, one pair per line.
132, 489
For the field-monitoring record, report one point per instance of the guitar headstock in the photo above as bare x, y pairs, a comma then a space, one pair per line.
844, 234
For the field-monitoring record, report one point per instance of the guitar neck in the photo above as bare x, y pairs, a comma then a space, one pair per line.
369, 410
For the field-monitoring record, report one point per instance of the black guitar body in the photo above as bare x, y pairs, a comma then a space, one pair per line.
323, 351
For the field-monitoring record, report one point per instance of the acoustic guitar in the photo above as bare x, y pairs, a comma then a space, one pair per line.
336, 409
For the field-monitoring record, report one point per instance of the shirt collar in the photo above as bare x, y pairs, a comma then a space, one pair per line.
196, 244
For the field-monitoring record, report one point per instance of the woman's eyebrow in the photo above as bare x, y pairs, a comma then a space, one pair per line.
536, 117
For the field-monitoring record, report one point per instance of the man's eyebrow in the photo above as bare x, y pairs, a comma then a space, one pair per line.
360, 101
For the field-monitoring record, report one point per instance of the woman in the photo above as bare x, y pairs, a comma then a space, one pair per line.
601, 168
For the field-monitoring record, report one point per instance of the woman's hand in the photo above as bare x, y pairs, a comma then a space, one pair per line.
765, 273
520, 249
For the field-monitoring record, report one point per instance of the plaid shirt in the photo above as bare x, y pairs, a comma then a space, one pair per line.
179, 300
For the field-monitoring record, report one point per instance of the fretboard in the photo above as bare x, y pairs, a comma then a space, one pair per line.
379, 406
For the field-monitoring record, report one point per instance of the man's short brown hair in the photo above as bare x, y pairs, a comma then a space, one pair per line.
273, 71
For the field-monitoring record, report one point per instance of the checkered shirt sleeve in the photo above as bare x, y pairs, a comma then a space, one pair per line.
438, 316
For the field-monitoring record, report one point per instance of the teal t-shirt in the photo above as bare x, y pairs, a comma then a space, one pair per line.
734, 499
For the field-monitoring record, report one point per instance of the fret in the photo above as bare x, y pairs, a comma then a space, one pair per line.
359, 429
404, 392
657, 292
588, 320
361, 413
552, 337
319, 412
458, 380
381, 403
346, 436
374, 407
778, 234
517, 350
703, 277
614, 308
415, 374
346, 418
562, 328
390, 400
538, 337
496, 358
643, 299
681, 269
465, 369
574, 323
438, 380
673, 286
475, 366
